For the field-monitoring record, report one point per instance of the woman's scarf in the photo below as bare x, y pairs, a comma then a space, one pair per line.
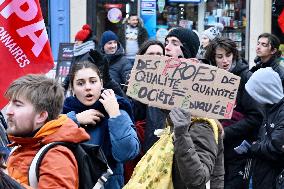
97, 132
73, 104
83, 48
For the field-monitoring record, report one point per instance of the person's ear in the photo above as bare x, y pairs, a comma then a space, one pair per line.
41, 118
273, 51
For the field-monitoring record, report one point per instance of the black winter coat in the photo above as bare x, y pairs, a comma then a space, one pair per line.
268, 152
275, 63
119, 66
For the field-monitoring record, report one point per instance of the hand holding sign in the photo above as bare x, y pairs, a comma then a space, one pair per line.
165, 82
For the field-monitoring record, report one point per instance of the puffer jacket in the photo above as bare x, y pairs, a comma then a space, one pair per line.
119, 65
198, 157
59, 167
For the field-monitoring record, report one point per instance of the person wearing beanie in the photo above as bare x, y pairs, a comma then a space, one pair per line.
268, 150
85, 41
113, 53
207, 36
195, 149
181, 43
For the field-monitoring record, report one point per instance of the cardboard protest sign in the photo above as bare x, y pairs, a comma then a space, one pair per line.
165, 82
24, 42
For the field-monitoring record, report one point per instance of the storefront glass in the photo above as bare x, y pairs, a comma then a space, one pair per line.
202, 15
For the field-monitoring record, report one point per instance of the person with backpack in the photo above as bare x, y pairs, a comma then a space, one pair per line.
34, 120
106, 117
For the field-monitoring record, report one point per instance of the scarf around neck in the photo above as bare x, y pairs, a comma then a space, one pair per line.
98, 132
83, 48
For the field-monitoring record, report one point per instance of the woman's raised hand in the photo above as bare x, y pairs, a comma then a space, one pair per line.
110, 103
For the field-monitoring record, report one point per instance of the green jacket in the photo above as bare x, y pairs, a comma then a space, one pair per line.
198, 156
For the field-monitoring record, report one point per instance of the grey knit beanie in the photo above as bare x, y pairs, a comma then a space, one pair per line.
213, 32
265, 86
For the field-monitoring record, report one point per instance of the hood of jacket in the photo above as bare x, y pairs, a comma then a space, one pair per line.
265, 86
62, 129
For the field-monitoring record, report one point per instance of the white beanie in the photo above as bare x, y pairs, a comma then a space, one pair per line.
265, 86
213, 32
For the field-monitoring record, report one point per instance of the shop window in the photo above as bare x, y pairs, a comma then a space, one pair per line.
232, 14
177, 14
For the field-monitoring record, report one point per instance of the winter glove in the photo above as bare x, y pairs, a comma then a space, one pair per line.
102, 63
96, 58
181, 119
105, 71
243, 148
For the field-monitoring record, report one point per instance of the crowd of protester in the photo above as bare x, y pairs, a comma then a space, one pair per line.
245, 151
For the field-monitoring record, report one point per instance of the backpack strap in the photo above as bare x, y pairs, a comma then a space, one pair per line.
34, 167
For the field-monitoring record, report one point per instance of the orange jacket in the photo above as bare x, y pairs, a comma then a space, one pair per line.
59, 167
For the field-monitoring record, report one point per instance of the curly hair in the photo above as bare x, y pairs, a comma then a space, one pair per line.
224, 43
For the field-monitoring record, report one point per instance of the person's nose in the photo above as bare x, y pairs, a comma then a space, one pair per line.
88, 86
168, 46
225, 59
9, 109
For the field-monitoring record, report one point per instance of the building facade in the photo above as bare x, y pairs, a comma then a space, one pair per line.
243, 20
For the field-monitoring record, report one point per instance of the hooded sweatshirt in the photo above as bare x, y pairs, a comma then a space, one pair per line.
265, 86
59, 167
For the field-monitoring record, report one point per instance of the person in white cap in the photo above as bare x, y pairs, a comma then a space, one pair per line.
206, 37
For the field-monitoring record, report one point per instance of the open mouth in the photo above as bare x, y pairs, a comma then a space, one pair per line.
226, 67
89, 96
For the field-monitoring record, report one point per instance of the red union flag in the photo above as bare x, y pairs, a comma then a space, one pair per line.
24, 42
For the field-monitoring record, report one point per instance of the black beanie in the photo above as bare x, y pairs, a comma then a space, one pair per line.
189, 40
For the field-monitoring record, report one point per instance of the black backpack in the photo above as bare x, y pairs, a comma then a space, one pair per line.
92, 164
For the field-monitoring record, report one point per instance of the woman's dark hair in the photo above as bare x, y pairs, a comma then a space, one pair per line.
149, 43
80, 65
221, 42
274, 43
